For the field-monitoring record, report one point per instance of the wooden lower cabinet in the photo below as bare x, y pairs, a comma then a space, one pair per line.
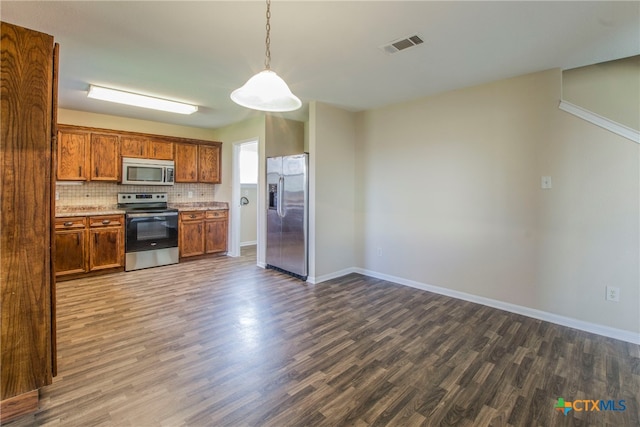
70, 252
191, 233
71, 243
106, 242
203, 232
88, 244
216, 226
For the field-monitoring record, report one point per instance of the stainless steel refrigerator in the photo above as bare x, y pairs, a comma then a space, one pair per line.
287, 214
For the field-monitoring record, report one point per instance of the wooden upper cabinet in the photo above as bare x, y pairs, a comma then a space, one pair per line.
186, 163
92, 154
209, 164
143, 147
87, 156
160, 150
133, 146
73, 155
105, 157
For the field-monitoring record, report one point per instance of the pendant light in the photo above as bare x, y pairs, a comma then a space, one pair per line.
266, 91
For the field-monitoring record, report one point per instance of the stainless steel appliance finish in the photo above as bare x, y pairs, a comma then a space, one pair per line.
287, 214
147, 171
151, 237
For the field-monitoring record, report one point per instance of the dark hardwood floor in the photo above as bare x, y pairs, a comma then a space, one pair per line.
221, 342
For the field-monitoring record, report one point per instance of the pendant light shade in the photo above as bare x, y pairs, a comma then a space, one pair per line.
266, 91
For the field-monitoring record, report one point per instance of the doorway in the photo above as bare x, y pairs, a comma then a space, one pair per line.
244, 209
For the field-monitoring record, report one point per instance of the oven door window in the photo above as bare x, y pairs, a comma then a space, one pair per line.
144, 174
151, 232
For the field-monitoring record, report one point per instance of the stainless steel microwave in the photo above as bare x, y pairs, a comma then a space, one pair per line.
147, 171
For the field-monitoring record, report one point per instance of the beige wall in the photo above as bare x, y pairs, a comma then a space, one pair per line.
249, 215
253, 128
610, 89
82, 118
250, 129
332, 189
284, 137
448, 191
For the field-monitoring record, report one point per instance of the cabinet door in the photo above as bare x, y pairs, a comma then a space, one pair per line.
70, 255
209, 164
105, 155
105, 248
186, 163
160, 150
216, 236
73, 152
133, 146
191, 238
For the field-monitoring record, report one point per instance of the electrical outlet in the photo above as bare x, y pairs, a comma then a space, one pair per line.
190, 194
379, 251
57, 195
613, 294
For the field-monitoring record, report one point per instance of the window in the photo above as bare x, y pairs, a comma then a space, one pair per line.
249, 163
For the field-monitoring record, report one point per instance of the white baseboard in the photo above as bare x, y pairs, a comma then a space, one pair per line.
251, 243
594, 328
313, 280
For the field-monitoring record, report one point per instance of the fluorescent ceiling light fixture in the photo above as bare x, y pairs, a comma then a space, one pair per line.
135, 99
266, 91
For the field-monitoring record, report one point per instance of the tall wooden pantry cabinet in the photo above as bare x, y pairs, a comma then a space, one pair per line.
28, 99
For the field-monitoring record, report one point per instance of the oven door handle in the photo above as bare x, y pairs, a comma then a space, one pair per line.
151, 215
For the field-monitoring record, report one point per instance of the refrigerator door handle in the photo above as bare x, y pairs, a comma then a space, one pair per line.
280, 196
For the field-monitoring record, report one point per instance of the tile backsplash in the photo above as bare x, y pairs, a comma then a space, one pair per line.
105, 193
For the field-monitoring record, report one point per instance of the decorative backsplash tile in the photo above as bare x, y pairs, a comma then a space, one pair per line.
105, 193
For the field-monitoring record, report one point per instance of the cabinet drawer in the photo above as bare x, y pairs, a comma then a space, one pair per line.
106, 221
192, 216
217, 214
70, 222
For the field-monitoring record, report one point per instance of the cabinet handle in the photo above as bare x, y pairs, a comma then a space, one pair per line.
68, 224
79, 170
106, 221
192, 216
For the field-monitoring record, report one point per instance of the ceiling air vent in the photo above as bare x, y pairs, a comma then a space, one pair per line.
402, 44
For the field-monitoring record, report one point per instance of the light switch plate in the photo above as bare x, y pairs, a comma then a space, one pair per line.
545, 182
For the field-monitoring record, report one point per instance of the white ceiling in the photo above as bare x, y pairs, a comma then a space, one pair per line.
326, 50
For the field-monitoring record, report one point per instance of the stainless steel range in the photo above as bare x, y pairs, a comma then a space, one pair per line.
151, 230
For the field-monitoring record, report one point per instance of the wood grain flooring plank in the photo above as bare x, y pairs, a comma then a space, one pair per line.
222, 342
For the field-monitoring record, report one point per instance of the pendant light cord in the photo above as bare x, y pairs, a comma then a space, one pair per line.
267, 59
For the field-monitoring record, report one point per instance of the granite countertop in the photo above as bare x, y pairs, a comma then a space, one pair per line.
199, 206
88, 210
